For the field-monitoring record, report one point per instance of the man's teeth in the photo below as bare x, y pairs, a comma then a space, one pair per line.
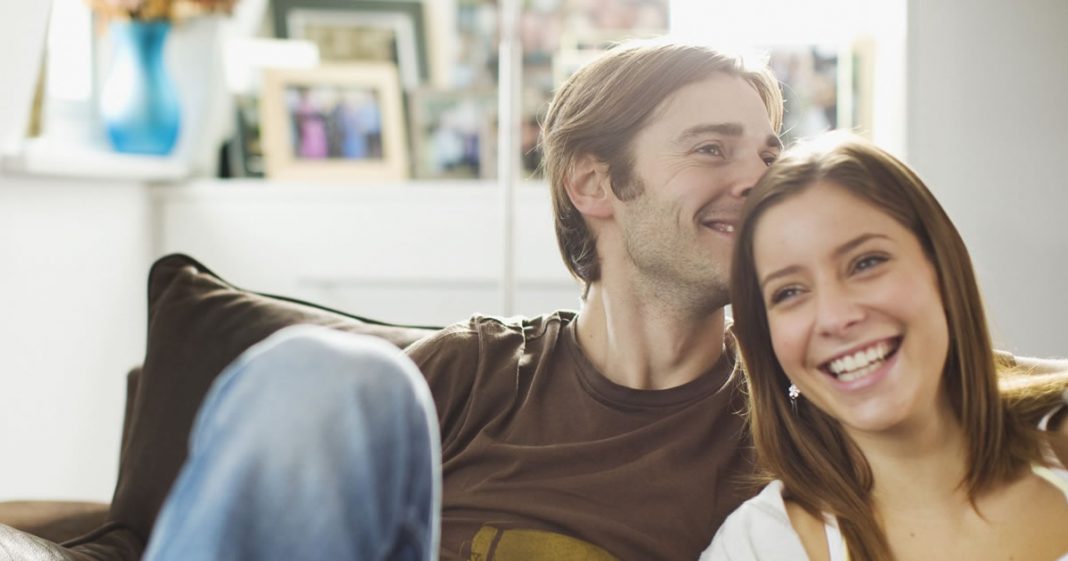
860, 363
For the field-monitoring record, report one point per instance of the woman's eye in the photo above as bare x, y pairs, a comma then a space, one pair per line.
770, 159
867, 262
784, 294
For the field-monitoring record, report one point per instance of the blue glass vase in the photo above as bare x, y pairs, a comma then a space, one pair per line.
139, 101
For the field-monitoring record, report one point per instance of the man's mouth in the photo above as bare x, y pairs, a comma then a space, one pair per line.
857, 364
719, 226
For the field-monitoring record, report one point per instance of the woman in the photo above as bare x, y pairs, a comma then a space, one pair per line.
879, 415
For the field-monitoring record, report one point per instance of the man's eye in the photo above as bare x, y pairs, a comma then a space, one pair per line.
710, 149
770, 159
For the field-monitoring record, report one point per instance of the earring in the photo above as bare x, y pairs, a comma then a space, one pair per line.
793, 393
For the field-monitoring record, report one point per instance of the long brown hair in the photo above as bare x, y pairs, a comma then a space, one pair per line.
822, 469
600, 109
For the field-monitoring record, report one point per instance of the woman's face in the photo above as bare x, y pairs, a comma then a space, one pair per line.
854, 309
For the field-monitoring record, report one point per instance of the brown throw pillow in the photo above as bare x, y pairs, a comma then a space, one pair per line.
197, 324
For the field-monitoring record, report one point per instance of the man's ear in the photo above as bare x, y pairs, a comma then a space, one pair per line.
589, 187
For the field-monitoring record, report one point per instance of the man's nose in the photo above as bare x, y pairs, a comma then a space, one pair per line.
750, 172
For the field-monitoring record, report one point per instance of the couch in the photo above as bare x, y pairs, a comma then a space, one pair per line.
197, 324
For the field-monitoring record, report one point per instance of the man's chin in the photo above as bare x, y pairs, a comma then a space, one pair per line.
707, 295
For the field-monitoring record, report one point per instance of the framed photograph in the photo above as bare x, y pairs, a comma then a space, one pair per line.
476, 38
817, 88
245, 60
334, 123
246, 149
360, 31
598, 24
453, 133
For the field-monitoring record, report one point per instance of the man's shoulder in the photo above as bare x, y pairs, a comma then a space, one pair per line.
487, 334
531, 326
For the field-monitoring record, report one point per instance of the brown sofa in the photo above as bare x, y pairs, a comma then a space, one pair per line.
197, 324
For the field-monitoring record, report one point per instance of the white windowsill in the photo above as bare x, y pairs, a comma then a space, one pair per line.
48, 158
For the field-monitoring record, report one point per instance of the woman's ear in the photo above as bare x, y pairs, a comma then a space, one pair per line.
589, 187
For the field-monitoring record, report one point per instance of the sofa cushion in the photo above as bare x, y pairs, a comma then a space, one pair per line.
197, 324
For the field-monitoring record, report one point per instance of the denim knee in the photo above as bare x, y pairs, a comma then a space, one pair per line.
336, 427
304, 381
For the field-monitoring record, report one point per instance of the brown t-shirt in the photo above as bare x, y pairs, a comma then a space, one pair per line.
545, 459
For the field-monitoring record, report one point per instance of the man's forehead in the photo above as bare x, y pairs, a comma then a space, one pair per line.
728, 102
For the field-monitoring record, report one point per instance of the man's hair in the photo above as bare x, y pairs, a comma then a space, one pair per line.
603, 106
820, 466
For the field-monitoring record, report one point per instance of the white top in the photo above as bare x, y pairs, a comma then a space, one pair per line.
760, 529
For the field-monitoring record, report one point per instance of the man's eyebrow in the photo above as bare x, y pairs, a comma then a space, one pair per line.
724, 129
838, 252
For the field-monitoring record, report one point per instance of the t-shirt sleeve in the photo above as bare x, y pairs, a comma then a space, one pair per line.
449, 361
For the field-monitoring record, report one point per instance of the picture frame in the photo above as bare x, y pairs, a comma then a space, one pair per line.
597, 24
245, 150
245, 60
341, 122
360, 31
453, 133
818, 88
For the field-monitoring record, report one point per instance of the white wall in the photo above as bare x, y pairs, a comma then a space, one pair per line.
73, 257
988, 131
425, 254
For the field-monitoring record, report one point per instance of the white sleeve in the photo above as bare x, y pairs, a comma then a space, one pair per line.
759, 530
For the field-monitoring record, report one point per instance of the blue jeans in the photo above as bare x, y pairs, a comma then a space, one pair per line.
313, 444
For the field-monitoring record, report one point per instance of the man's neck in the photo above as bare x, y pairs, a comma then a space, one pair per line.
645, 344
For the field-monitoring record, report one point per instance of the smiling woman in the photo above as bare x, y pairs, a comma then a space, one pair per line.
888, 424
853, 309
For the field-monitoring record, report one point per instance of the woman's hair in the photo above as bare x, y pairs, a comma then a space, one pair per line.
821, 467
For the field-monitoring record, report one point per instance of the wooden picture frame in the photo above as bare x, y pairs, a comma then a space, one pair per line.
817, 87
245, 60
453, 133
334, 123
360, 31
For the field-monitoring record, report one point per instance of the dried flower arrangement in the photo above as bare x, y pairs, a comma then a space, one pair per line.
155, 10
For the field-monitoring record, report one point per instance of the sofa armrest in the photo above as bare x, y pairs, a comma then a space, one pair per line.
109, 542
55, 521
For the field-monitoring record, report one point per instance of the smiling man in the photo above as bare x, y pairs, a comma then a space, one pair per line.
610, 434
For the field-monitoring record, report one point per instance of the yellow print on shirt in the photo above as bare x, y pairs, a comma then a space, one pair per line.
493, 544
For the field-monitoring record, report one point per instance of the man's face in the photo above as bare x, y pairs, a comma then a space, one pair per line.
704, 148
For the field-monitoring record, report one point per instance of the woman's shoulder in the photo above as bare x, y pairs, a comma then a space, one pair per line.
759, 529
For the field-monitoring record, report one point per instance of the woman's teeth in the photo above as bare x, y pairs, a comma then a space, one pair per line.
861, 363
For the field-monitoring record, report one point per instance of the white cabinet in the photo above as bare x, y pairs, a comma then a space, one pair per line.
424, 253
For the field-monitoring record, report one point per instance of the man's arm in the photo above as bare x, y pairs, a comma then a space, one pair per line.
1042, 365
1058, 432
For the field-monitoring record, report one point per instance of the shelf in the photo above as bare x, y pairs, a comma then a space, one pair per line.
46, 158
263, 190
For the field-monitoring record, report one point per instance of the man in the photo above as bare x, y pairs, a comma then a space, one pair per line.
613, 434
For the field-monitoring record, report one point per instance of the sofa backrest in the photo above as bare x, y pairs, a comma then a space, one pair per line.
197, 324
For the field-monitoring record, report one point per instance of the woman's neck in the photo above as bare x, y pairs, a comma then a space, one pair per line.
920, 466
